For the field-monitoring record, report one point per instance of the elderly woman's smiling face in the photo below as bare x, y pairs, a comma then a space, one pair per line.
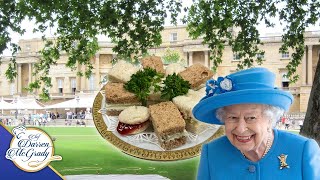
246, 126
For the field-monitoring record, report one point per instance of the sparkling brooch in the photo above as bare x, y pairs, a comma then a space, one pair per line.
283, 163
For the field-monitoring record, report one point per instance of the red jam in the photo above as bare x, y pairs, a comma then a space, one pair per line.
127, 129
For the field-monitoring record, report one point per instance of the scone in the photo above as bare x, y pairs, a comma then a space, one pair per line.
133, 120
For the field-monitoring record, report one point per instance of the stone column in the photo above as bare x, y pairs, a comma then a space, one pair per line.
54, 88
190, 59
30, 73
97, 70
304, 68
210, 61
83, 79
206, 59
185, 57
309, 65
66, 85
19, 79
78, 78
16, 85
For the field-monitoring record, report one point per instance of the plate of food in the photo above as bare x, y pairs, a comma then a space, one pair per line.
146, 110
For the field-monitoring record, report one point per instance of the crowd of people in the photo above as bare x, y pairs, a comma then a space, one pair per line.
80, 116
42, 119
37, 119
287, 123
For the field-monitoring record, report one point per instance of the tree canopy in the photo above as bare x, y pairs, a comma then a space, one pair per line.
135, 25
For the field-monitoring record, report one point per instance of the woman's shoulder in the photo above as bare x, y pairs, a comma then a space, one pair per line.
291, 136
290, 139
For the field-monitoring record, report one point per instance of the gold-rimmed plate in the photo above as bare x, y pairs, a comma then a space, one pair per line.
144, 145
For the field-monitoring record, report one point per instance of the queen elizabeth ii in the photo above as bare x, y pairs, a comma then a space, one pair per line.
249, 106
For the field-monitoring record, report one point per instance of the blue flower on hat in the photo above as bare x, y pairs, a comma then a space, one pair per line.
211, 87
225, 84
222, 85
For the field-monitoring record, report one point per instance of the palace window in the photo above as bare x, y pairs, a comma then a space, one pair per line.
73, 83
236, 57
260, 56
60, 85
28, 48
173, 37
284, 80
285, 55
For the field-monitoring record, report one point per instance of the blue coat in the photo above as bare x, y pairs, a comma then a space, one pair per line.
221, 160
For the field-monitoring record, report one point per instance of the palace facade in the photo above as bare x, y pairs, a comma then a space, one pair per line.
67, 85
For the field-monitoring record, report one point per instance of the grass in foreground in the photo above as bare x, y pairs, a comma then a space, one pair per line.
84, 151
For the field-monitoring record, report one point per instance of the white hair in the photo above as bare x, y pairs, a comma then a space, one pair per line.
274, 113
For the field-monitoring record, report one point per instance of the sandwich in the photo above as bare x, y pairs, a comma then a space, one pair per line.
133, 120
122, 71
197, 75
118, 98
174, 68
154, 62
185, 104
168, 125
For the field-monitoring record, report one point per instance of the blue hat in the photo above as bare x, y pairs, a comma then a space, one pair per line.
251, 86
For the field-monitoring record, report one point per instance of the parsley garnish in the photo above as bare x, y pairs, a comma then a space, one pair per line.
174, 86
141, 83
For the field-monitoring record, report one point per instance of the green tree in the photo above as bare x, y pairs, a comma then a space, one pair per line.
170, 56
135, 25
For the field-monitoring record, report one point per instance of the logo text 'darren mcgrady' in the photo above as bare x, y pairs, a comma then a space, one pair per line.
27, 148
31, 149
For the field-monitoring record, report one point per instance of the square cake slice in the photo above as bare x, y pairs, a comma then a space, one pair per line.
168, 125
153, 62
197, 75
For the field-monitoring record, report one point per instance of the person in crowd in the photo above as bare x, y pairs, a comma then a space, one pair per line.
248, 105
300, 123
9, 122
4, 121
29, 119
57, 115
287, 123
74, 115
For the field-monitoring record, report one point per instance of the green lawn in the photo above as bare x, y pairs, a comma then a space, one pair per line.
84, 151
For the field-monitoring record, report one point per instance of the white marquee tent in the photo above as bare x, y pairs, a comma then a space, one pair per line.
26, 104
5, 105
82, 102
